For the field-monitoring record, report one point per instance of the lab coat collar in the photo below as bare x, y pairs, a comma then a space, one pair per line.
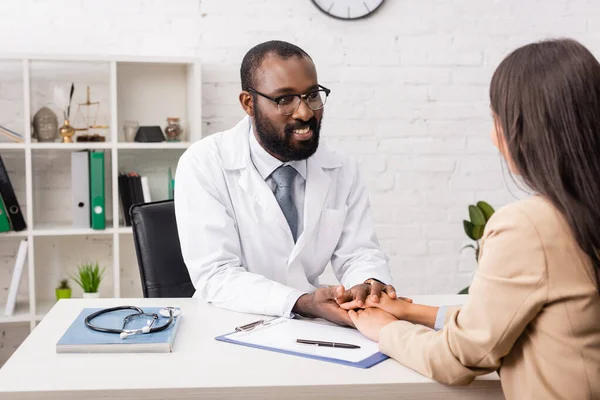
236, 140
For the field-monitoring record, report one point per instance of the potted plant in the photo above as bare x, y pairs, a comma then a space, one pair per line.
89, 277
64, 290
479, 215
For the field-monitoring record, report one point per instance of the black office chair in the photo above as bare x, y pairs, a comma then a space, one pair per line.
162, 269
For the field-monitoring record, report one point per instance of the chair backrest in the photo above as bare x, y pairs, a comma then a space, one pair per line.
162, 269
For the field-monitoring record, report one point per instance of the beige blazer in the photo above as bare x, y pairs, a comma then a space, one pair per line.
533, 314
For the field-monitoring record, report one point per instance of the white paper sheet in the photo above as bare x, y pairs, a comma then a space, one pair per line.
281, 333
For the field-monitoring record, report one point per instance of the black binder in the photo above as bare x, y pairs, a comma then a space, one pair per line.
125, 200
10, 200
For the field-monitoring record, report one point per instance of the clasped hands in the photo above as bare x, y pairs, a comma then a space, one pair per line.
367, 306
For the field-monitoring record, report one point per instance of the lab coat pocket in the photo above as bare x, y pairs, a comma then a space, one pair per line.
331, 227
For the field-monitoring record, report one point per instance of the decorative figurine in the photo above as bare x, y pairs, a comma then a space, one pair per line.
45, 125
67, 132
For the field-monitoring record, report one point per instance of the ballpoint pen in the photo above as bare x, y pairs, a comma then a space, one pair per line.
328, 344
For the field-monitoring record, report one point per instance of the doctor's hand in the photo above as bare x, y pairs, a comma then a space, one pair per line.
371, 321
322, 304
356, 296
399, 308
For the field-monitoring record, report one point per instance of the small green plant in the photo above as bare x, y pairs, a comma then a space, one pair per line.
479, 215
63, 291
89, 277
64, 284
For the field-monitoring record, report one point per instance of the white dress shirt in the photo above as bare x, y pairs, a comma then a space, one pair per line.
265, 164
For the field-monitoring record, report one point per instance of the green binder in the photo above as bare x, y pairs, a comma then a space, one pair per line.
97, 197
171, 186
4, 221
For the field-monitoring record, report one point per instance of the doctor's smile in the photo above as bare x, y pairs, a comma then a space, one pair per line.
303, 134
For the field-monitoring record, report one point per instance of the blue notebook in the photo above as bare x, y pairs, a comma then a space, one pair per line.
280, 335
78, 338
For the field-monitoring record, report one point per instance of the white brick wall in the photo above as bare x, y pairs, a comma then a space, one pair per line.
409, 93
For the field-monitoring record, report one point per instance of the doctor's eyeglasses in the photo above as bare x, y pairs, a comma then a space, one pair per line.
289, 103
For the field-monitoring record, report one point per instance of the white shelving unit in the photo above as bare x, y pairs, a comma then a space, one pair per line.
130, 88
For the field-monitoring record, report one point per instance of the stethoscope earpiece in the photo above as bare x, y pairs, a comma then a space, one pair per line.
166, 312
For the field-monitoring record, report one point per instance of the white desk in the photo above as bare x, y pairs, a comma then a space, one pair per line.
201, 367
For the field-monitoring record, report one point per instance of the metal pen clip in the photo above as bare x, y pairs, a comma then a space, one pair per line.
252, 325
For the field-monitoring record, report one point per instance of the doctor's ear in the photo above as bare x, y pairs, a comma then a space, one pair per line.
247, 103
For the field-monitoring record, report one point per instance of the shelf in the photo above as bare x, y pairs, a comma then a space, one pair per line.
20, 314
22, 233
158, 145
64, 229
95, 145
12, 146
72, 146
144, 89
42, 309
98, 58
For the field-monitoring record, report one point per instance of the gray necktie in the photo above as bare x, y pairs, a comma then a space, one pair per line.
284, 177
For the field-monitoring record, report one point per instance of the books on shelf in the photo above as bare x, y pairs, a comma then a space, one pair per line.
133, 189
78, 338
12, 135
88, 200
10, 205
16, 279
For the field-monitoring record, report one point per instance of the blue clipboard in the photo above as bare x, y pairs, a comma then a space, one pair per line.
365, 363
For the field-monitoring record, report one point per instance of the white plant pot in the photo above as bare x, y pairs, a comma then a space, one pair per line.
94, 295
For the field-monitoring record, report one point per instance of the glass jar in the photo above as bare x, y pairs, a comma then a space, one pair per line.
173, 129
130, 129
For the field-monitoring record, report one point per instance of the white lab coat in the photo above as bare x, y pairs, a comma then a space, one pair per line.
237, 244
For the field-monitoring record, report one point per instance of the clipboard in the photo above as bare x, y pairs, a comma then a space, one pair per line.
280, 335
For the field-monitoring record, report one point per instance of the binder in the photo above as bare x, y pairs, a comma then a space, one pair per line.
146, 189
10, 200
125, 200
4, 220
97, 195
171, 186
280, 335
137, 188
16, 279
80, 189
131, 188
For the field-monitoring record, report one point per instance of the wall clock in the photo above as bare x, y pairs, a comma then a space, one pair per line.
348, 9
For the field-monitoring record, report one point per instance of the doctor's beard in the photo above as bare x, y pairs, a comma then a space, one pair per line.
287, 148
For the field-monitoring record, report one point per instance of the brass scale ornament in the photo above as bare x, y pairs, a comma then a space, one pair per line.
86, 115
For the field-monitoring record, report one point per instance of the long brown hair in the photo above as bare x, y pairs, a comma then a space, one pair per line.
546, 98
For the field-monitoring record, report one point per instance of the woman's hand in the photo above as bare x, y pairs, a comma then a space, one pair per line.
398, 308
370, 321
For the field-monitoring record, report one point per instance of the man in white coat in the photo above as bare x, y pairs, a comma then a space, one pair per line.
262, 208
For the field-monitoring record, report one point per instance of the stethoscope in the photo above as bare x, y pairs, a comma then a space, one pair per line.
167, 312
